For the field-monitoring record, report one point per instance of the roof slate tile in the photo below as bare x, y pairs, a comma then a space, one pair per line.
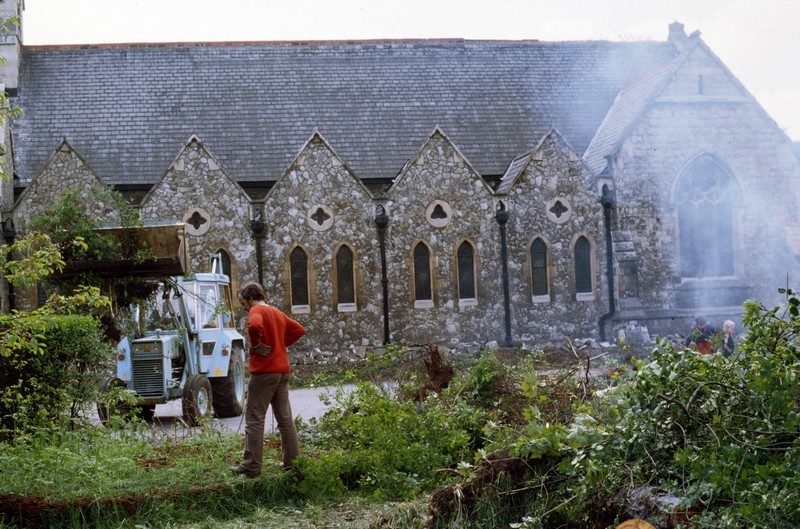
128, 109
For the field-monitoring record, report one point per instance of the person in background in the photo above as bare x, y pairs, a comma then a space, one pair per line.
728, 343
270, 332
700, 335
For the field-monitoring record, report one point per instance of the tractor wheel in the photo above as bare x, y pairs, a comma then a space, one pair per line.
229, 390
108, 405
197, 399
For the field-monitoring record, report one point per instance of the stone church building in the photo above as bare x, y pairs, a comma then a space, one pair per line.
443, 191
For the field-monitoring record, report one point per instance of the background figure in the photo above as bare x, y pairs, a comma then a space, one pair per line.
270, 332
700, 335
728, 343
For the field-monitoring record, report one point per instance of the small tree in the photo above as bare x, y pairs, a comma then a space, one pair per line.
51, 357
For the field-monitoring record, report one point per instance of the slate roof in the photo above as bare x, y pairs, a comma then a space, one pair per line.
628, 106
515, 169
130, 109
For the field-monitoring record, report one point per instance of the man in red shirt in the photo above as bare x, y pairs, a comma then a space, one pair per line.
270, 331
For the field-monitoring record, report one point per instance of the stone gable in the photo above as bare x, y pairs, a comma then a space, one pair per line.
196, 190
319, 206
554, 199
66, 170
439, 176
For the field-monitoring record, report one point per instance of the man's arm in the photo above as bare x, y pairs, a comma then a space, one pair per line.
255, 326
293, 331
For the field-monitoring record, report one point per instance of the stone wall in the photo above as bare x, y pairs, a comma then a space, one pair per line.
438, 200
65, 171
702, 113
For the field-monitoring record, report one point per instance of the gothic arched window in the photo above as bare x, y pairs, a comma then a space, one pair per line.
422, 274
298, 261
466, 272
704, 196
345, 276
583, 266
225, 263
539, 280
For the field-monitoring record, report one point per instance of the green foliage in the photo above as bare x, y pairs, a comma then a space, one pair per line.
485, 379
35, 258
49, 360
382, 446
68, 220
48, 381
722, 434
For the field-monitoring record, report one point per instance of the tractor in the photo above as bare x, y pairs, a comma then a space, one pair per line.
189, 350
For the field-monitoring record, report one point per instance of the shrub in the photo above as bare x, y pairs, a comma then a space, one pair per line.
721, 434
44, 386
382, 446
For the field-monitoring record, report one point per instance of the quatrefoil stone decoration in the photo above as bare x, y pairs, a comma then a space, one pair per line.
558, 210
319, 217
197, 221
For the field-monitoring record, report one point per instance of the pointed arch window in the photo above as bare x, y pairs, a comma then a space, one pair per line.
705, 201
583, 268
423, 290
225, 263
225, 267
466, 274
345, 279
540, 283
298, 262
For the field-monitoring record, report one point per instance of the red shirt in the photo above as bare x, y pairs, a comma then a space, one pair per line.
268, 325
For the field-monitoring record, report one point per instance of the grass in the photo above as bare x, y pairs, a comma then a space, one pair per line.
352, 513
137, 476
99, 477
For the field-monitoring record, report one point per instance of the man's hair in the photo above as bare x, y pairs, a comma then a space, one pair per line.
252, 290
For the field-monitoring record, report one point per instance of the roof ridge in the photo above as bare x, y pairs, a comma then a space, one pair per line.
324, 42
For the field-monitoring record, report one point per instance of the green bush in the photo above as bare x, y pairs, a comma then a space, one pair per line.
67, 220
382, 446
44, 387
721, 434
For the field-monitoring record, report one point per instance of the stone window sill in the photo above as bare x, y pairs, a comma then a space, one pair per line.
584, 296
423, 304
346, 307
468, 302
301, 309
541, 299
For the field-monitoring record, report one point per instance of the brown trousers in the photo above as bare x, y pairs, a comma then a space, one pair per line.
267, 389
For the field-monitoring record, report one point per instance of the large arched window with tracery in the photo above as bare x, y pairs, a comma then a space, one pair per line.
704, 196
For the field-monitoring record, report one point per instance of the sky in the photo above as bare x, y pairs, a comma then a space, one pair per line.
758, 40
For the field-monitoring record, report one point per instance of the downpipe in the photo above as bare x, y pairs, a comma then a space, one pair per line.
607, 200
